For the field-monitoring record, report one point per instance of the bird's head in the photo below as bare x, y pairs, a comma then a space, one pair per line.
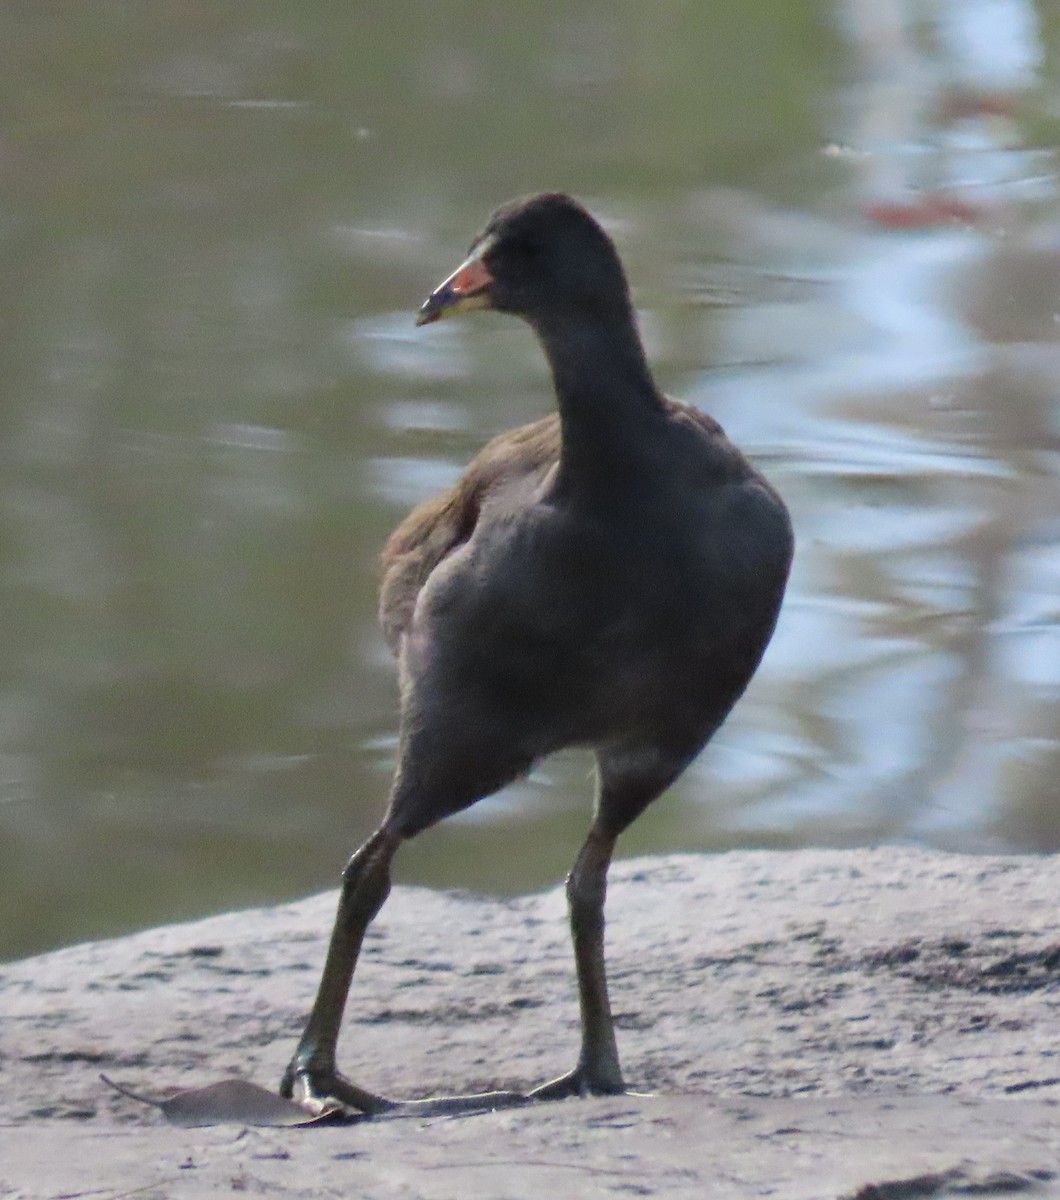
545, 256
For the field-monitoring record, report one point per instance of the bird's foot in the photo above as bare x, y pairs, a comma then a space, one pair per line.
580, 1082
327, 1093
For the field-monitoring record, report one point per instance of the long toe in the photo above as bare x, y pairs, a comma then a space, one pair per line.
324, 1093
577, 1083
439, 1106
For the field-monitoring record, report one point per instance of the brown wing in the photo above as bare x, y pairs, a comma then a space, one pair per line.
435, 528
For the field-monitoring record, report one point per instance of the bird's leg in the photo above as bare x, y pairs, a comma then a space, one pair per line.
598, 1071
312, 1078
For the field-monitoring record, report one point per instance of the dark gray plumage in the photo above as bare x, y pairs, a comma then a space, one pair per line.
608, 576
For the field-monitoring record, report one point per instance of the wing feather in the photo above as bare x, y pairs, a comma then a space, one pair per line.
437, 527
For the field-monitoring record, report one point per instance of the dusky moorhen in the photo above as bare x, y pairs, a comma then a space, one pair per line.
608, 576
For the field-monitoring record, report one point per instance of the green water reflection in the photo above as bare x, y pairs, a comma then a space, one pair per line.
218, 221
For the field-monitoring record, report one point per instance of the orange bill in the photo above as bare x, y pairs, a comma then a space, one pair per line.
467, 288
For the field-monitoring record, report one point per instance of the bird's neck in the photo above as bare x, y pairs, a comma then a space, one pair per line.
607, 398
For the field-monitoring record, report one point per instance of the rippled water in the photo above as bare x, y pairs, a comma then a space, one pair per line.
841, 225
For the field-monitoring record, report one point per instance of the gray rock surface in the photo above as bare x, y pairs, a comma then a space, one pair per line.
880, 1023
